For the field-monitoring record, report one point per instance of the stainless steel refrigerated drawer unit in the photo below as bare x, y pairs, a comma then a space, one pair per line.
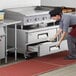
44, 48
30, 36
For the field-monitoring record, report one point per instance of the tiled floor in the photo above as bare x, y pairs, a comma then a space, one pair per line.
66, 71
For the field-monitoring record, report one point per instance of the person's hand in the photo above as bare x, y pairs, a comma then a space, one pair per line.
58, 45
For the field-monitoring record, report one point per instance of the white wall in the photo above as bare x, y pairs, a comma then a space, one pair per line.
22, 3
67, 3
18, 3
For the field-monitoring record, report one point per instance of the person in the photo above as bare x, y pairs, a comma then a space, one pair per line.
65, 20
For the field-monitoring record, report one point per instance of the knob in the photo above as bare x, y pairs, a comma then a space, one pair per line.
35, 19
27, 20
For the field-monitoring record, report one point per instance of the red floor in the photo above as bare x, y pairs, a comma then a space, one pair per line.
36, 66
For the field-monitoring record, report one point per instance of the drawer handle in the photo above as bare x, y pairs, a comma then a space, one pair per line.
53, 46
45, 34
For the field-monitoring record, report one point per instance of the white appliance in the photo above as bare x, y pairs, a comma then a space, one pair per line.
44, 48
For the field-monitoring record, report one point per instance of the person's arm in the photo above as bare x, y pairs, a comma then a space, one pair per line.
56, 35
64, 25
61, 38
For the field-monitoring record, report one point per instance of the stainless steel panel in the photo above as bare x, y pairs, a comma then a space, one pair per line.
47, 48
2, 47
28, 15
2, 43
34, 37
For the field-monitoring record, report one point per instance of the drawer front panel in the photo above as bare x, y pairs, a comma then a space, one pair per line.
40, 36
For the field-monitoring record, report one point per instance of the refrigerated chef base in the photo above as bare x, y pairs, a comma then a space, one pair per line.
30, 36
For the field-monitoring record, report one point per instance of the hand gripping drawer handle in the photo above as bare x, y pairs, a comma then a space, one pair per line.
42, 35
53, 46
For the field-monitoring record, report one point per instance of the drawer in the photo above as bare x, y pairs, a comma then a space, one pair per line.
41, 49
40, 36
44, 48
48, 48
